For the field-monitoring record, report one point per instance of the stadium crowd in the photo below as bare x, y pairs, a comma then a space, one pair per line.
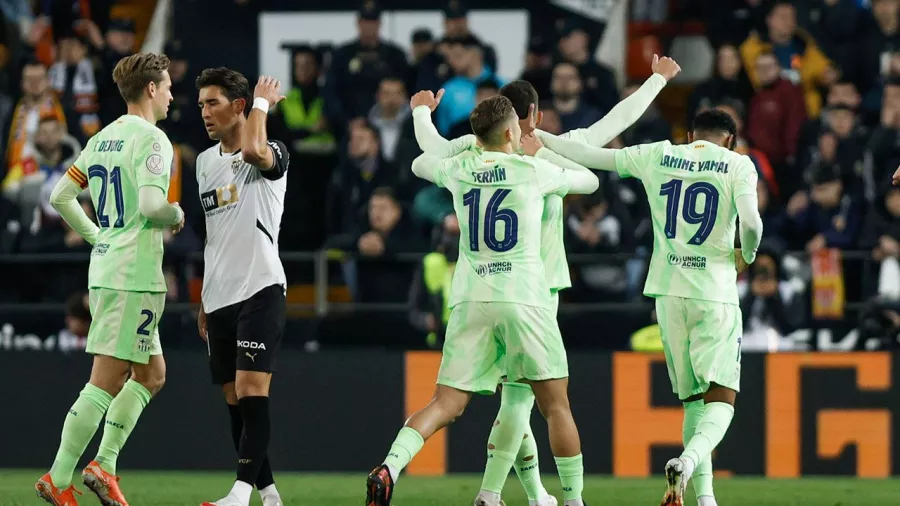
813, 84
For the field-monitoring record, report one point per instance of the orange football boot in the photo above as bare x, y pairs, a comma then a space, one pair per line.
47, 491
105, 485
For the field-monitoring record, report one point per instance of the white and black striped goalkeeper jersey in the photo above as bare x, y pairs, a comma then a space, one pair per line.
243, 207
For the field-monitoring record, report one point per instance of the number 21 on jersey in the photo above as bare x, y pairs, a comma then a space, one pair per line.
492, 215
108, 178
705, 216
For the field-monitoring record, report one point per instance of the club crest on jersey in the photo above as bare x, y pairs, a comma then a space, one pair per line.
143, 345
220, 197
236, 165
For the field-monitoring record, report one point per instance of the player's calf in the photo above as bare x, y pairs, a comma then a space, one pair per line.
553, 402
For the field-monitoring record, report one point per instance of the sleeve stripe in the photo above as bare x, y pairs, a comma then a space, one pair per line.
76, 176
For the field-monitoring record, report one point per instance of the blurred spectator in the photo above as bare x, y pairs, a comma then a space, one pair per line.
37, 101
78, 322
841, 93
354, 180
651, 127
729, 82
599, 82
881, 234
75, 81
485, 90
879, 40
466, 58
827, 218
456, 26
883, 148
387, 232
393, 118
539, 66
771, 304
592, 228
357, 69
567, 89
119, 43
840, 144
833, 24
797, 54
776, 118
430, 290
731, 21
51, 153
429, 70
299, 119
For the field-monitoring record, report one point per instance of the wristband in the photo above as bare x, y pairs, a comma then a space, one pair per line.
261, 104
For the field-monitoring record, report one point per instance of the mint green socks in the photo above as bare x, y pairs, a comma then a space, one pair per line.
710, 430
571, 476
513, 419
78, 430
408, 443
528, 469
123, 415
702, 479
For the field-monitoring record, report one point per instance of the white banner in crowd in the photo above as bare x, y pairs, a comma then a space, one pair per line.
594, 9
506, 30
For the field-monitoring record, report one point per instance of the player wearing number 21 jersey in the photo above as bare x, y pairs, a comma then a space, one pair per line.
502, 319
126, 167
696, 192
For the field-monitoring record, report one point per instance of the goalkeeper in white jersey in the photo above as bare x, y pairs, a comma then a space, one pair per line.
696, 192
517, 400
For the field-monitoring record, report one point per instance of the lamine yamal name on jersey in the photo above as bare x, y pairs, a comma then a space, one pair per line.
674, 162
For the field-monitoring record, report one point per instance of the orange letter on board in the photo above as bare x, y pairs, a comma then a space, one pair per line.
636, 424
868, 429
421, 374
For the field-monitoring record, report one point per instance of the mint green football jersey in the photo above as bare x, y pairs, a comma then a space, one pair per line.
692, 190
126, 155
553, 246
499, 201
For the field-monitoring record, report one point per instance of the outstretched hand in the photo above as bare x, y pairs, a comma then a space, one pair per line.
268, 88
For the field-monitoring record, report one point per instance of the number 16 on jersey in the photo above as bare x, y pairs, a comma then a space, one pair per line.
492, 215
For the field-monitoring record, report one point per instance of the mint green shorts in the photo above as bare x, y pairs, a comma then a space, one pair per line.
124, 324
702, 343
486, 341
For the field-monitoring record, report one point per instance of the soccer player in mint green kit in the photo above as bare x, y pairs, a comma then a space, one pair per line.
696, 192
516, 399
502, 319
126, 166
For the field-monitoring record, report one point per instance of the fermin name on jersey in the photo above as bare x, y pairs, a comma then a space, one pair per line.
493, 268
109, 146
494, 175
689, 262
673, 162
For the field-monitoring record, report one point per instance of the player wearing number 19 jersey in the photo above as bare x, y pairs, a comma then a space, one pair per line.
696, 192
126, 166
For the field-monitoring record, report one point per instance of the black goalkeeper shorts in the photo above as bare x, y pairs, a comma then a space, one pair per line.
246, 335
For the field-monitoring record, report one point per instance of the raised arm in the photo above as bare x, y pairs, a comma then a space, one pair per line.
579, 152
629, 110
430, 140
64, 199
255, 146
431, 168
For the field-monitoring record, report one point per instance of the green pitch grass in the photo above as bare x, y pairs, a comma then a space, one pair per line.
190, 489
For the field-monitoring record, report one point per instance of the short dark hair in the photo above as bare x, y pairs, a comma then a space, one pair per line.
489, 116
386, 192
75, 307
522, 94
234, 85
488, 84
133, 73
714, 121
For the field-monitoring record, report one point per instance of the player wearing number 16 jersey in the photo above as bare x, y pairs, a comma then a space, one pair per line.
502, 318
696, 192
126, 166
